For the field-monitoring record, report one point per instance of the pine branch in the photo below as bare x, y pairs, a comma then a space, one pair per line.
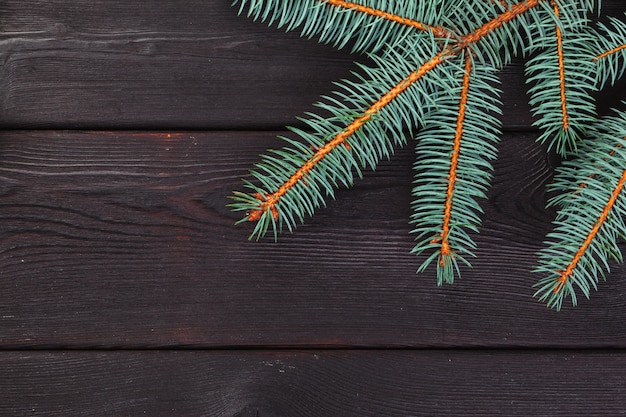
438, 31
591, 216
294, 186
563, 78
452, 169
445, 252
262, 205
561, 65
268, 202
498, 39
340, 23
610, 52
433, 73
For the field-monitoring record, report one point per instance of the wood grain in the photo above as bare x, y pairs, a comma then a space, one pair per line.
312, 383
123, 239
126, 289
129, 65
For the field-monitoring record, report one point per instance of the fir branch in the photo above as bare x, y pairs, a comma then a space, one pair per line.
268, 202
591, 216
445, 251
293, 184
567, 273
561, 64
447, 182
438, 31
512, 12
562, 77
501, 35
605, 54
364, 28
610, 51
434, 64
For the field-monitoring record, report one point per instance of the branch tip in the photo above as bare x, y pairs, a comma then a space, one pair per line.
564, 275
265, 206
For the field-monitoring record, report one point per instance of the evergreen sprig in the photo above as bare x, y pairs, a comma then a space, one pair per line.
610, 51
590, 220
562, 77
446, 184
432, 78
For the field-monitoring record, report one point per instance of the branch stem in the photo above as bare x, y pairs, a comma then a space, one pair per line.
456, 151
268, 202
439, 31
610, 52
497, 22
559, 47
562, 280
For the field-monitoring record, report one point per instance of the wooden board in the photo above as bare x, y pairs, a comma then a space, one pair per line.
126, 289
113, 239
312, 383
168, 65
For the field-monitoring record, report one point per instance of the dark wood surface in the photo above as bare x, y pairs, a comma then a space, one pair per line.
126, 289
313, 383
127, 65
119, 239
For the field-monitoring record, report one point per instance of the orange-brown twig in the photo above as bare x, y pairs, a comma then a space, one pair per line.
456, 151
268, 202
559, 47
439, 31
497, 22
611, 52
562, 280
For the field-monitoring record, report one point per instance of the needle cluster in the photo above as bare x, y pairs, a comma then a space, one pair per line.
432, 81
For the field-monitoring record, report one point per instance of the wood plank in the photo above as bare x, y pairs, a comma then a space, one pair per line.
123, 239
167, 66
312, 383
127, 64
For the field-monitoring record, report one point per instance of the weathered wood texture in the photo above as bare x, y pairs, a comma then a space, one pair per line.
313, 383
166, 65
125, 240
121, 239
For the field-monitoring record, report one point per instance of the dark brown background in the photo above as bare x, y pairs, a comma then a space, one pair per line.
126, 289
